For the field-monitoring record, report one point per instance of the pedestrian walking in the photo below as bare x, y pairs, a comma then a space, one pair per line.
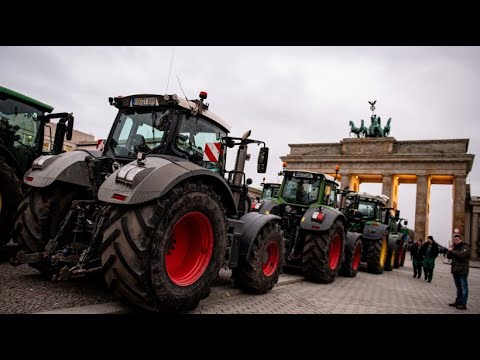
460, 255
430, 253
417, 258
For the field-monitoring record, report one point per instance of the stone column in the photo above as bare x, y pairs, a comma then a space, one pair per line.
387, 187
345, 181
421, 222
474, 234
395, 191
459, 194
354, 183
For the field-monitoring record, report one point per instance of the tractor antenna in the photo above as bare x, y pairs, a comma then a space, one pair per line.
183, 92
170, 71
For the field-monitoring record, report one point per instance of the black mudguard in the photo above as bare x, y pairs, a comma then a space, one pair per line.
331, 215
254, 222
142, 183
69, 167
396, 238
269, 207
374, 231
351, 239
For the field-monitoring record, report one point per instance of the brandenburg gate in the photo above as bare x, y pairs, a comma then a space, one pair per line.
380, 159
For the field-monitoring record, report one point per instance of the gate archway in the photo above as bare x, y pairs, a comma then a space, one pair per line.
392, 163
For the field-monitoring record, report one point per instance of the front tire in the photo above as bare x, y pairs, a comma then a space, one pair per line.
322, 254
165, 255
259, 271
377, 252
353, 256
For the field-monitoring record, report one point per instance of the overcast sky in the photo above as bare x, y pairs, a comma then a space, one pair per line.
285, 95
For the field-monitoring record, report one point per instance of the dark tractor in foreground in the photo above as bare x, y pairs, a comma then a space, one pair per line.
156, 212
369, 222
314, 229
22, 130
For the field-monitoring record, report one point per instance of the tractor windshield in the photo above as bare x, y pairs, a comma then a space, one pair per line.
301, 191
139, 130
370, 209
270, 191
19, 123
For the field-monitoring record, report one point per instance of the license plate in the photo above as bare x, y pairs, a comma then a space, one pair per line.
151, 101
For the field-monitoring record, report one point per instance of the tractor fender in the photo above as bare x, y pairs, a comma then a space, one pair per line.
136, 183
253, 223
397, 238
69, 167
392, 240
331, 215
268, 206
374, 230
351, 238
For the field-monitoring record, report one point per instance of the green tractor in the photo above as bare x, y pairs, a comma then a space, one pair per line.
369, 220
314, 230
22, 130
269, 191
400, 234
156, 212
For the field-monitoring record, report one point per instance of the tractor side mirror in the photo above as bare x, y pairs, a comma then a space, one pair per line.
262, 160
69, 128
249, 181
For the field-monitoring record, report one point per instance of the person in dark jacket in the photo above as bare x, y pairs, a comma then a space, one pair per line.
430, 252
417, 258
460, 255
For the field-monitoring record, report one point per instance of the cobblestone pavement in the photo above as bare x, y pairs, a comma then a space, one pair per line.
395, 292
23, 290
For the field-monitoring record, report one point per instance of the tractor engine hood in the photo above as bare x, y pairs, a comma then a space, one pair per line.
141, 181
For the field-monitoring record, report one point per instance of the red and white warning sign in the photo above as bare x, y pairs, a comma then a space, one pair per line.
212, 152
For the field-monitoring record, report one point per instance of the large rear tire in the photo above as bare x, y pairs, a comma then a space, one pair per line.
322, 254
353, 256
10, 194
259, 271
377, 252
38, 218
165, 255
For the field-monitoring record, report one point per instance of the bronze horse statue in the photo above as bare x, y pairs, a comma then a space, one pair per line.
354, 129
386, 129
363, 129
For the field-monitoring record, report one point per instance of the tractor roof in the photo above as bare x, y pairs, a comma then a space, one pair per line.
328, 177
25, 99
207, 113
382, 198
157, 100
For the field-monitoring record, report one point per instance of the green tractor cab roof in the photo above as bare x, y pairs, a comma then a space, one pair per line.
309, 174
381, 198
145, 100
23, 98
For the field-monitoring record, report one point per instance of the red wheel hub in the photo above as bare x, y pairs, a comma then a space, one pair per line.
271, 257
357, 257
335, 251
190, 249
